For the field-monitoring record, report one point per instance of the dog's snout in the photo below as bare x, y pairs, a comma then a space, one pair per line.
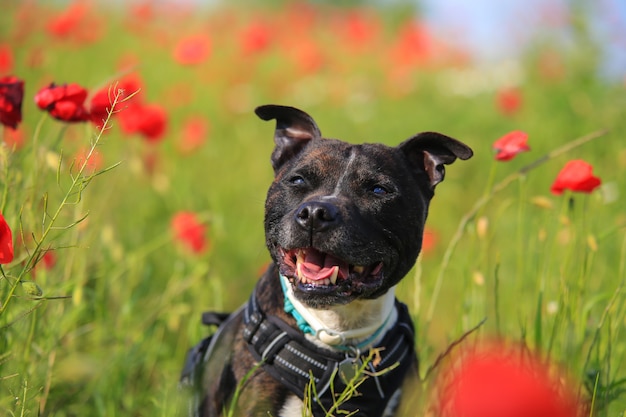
317, 216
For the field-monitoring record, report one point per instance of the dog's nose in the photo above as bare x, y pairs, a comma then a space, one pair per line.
317, 216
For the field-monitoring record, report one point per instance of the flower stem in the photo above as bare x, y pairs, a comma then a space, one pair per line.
78, 184
482, 201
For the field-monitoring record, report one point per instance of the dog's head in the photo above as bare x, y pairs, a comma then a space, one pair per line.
345, 221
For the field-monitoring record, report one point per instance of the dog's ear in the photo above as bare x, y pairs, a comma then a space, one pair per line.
294, 129
430, 151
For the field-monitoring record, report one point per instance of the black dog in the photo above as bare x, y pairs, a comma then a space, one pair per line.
343, 225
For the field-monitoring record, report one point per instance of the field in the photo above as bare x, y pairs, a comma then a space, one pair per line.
124, 232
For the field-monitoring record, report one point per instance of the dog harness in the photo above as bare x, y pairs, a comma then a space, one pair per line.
299, 364
296, 362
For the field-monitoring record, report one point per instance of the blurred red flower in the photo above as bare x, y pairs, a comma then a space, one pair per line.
510, 145
194, 134
509, 101
92, 162
497, 381
11, 95
255, 38
192, 50
99, 106
413, 46
576, 175
148, 120
14, 138
429, 240
6, 242
189, 231
359, 29
47, 261
6, 59
64, 102
131, 86
63, 24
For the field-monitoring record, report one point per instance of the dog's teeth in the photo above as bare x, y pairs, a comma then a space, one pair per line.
299, 272
326, 281
358, 269
300, 255
333, 276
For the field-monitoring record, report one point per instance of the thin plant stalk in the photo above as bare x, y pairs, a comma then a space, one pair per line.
78, 184
481, 202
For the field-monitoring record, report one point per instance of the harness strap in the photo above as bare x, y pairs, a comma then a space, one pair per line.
293, 360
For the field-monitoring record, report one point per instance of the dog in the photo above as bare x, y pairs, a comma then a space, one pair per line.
343, 225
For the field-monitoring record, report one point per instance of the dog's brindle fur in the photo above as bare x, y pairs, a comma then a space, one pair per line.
364, 204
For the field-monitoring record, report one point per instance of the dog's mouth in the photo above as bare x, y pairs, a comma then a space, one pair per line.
310, 270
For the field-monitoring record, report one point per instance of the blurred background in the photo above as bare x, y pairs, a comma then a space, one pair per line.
177, 227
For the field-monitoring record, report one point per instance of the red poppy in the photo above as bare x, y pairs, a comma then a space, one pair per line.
149, 120
414, 45
100, 105
131, 85
255, 38
576, 175
92, 162
194, 134
510, 145
359, 29
14, 138
509, 101
192, 50
64, 24
429, 241
64, 102
189, 231
6, 59
500, 381
6, 242
11, 95
47, 261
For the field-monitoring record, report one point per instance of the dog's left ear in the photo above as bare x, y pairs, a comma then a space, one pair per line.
294, 130
430, 151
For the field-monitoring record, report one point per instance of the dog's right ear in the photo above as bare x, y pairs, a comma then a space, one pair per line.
294, 129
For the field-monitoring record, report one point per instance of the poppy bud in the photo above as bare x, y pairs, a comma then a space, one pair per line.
31, 288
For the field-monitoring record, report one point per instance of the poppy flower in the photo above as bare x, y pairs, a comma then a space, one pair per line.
429, 241
68, 22
14, 139
510, 145
46, 262
509, 101
11, 95
6, 59
193, 135
497, 381
189, 231
99, 106
576, 175
92, 162
6, 242
255, 38
192, 50
64, 102
149, 120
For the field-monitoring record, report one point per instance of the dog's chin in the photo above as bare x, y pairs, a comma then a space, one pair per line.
321, 279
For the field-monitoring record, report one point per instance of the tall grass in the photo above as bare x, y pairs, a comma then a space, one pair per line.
104, 330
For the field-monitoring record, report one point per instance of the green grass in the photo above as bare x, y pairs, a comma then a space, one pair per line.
123, 302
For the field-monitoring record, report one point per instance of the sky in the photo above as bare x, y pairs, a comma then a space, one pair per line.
499, 29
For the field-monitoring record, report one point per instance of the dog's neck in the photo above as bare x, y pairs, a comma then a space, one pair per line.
359, 324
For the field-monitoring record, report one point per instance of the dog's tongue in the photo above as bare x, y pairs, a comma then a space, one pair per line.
317, 266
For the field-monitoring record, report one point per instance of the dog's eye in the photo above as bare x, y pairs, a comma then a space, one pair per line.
380, 190
297, 180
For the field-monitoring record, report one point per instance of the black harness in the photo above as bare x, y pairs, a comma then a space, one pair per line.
286, 354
